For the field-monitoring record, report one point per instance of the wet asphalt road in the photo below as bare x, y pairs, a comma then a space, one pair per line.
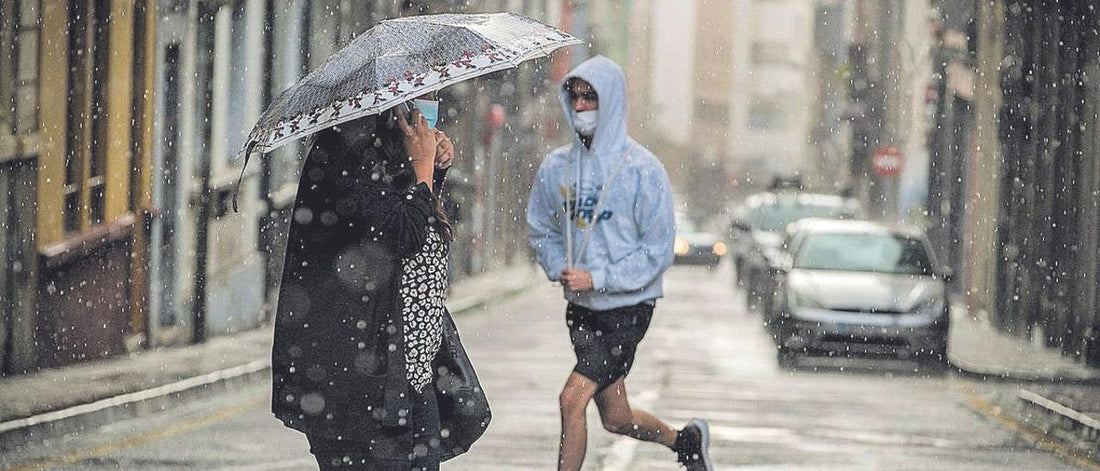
705, 356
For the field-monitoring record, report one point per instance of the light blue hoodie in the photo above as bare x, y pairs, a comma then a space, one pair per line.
631, 245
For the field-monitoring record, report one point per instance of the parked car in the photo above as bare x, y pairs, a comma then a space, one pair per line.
757, 229
696, 247
860, 287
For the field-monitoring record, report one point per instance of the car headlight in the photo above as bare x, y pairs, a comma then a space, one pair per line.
720, 248
797, 299
680, 247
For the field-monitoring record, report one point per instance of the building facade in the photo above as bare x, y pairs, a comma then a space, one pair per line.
20, 147
74, 160
1029, 169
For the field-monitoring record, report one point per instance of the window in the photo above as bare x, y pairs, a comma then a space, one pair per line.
291, 54
766, 114
19, 66
714, 111
237, 125
86, 150
878, 253
769, 52
7, 64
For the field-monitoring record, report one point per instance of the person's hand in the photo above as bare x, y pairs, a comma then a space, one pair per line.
444, 151
576, 279
420, 143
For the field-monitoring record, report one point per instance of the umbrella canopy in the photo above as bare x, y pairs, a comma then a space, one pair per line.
396, 61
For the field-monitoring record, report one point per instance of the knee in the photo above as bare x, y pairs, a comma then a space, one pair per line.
621, 424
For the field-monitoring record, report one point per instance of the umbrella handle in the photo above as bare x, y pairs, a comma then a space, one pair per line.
247, 155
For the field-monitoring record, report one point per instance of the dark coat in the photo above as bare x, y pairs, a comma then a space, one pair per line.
338, 356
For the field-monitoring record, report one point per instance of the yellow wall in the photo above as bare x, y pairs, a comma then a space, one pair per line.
119, 108
54, 83
54, 110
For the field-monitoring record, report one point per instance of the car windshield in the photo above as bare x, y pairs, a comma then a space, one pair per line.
684, 225
775, 218
879, 253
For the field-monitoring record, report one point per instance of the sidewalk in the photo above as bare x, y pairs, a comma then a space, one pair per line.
54, 402
1056, 399
978, 348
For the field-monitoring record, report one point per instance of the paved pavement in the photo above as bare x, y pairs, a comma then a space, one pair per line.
978, 348
704, 356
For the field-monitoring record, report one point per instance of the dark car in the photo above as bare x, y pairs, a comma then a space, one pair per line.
757, 229
859, 287
696, 247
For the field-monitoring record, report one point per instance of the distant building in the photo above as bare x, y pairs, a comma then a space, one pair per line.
21, 144
729, 93
74, 163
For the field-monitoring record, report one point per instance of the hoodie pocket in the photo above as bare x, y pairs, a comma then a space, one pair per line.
619, 236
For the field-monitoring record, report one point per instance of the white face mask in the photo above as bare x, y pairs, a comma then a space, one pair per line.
585, 122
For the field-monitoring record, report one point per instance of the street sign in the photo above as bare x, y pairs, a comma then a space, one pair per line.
887, 161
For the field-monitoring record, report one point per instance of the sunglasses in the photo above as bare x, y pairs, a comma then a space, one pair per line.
587, 96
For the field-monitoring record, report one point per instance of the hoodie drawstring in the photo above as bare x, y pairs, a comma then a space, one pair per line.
604, 192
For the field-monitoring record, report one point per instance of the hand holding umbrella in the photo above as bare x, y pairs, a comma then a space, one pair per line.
444, 151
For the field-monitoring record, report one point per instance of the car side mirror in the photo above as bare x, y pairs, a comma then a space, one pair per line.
788, 263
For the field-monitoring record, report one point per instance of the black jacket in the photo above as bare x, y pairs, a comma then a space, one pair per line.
338, 356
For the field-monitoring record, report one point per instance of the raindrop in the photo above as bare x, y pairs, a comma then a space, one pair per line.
312, 404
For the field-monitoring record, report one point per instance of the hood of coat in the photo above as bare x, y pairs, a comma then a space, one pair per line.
609, 82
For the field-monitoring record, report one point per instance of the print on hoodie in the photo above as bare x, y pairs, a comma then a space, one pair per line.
630, 242
583, 212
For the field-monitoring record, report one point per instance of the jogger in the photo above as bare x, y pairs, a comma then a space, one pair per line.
601, 222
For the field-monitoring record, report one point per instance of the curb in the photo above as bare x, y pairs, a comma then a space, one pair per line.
967, 365
124, 406
1002, 376
82, 417
1063, 423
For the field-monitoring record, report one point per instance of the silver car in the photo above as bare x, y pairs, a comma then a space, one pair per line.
860, 288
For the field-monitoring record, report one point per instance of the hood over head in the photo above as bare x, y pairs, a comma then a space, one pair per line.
609, 82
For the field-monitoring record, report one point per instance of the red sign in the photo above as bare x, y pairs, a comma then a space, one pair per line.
887, 161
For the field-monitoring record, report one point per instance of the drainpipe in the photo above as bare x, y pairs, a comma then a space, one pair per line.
207, 13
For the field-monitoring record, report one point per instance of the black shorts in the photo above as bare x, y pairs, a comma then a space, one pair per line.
605, 341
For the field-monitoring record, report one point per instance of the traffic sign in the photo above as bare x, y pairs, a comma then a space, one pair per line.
887, 161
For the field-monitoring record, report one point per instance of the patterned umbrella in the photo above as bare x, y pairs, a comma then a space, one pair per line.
398, 60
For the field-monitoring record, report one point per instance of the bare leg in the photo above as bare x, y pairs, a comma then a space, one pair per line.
574, 400
618, 417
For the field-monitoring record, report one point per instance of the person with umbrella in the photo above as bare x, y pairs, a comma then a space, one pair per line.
366, 360
600, 220
361, 304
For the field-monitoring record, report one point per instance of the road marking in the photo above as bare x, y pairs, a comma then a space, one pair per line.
304, 463
1031, 434
204, 420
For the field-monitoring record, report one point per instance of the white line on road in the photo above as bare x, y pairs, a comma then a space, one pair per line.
304, 463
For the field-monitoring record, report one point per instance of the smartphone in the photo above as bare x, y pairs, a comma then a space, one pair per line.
408, 108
